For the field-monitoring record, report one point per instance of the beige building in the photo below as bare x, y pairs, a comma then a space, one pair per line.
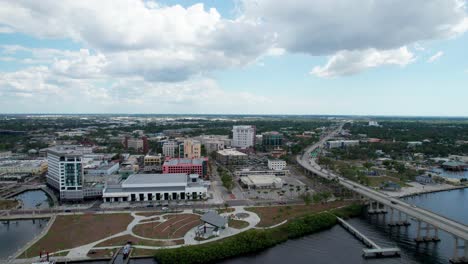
191, 149
153, 160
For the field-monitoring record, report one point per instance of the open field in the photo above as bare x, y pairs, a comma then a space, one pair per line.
238, 224
122, 240
225, 210
8, 204
147, 214
376, 181
174, 227
273, 215
150, 220
69, 231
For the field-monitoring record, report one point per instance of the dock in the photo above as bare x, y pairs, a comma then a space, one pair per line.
373, 250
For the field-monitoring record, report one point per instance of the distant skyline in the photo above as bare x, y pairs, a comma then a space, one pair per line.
323, 57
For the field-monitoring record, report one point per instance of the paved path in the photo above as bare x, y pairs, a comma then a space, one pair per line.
81, 252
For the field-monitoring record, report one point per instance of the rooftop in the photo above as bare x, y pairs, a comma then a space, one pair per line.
214, 219
176, 161
230, 152
65, 150
135, 179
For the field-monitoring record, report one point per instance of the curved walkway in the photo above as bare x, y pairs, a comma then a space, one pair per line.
81, 252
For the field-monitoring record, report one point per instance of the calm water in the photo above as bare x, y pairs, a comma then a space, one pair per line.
15, 234
338, 246
328, 247
36, 199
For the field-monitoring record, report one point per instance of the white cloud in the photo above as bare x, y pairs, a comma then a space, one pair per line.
435, 57
322, 27
5, 30
160, 43
352, 62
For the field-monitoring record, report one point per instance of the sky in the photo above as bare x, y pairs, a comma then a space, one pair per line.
335, 57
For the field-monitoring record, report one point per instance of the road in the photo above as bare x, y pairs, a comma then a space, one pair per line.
453, 227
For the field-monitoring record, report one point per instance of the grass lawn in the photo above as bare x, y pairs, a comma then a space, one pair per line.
273, 215
8, 204
238, 224
174, 227
225, 210
149, 220
122, 240
149, 213
376, 181
69, 231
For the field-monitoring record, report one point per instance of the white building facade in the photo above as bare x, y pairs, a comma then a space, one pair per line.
276, 165
169, 148
65, 171
157, 187
243, 136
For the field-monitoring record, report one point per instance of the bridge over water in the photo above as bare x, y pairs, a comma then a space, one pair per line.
428, 221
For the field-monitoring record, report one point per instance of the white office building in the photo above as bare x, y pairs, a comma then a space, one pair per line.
243, 136
169, 148
65, 171
157, 187
276, 165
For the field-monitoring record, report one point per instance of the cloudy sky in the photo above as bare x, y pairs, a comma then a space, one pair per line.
386, 57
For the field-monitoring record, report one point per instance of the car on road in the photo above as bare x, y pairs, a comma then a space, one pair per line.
165, 208
67, 211
150, 205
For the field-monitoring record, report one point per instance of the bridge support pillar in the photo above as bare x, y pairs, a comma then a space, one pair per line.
456, 259
391, 221
427, 238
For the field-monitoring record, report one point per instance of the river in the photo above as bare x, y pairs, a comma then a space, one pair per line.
338, 246
334, 245
35, 200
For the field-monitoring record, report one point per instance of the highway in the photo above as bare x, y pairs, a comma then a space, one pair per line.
453, 227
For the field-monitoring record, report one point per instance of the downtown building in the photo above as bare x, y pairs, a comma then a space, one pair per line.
169, 149
188, 166
190, 149
65, 171
157, 187
243, 137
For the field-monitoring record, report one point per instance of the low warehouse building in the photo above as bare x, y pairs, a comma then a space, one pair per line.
157, 187
261, 182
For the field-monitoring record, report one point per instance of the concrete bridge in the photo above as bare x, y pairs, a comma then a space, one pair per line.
431, 221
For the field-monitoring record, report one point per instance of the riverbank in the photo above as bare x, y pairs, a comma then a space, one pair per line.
256, 240
417, 189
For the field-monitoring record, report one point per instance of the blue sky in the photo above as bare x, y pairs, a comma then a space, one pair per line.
235, 57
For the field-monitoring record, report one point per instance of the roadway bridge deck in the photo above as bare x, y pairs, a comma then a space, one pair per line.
433, 220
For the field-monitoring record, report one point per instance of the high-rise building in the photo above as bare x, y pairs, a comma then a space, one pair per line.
65, 172
272, 139
243, 136
169, 148
190, 149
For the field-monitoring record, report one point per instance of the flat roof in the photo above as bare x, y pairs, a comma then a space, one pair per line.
261, 179
65, 150
230, 152
156, 178
176, 161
